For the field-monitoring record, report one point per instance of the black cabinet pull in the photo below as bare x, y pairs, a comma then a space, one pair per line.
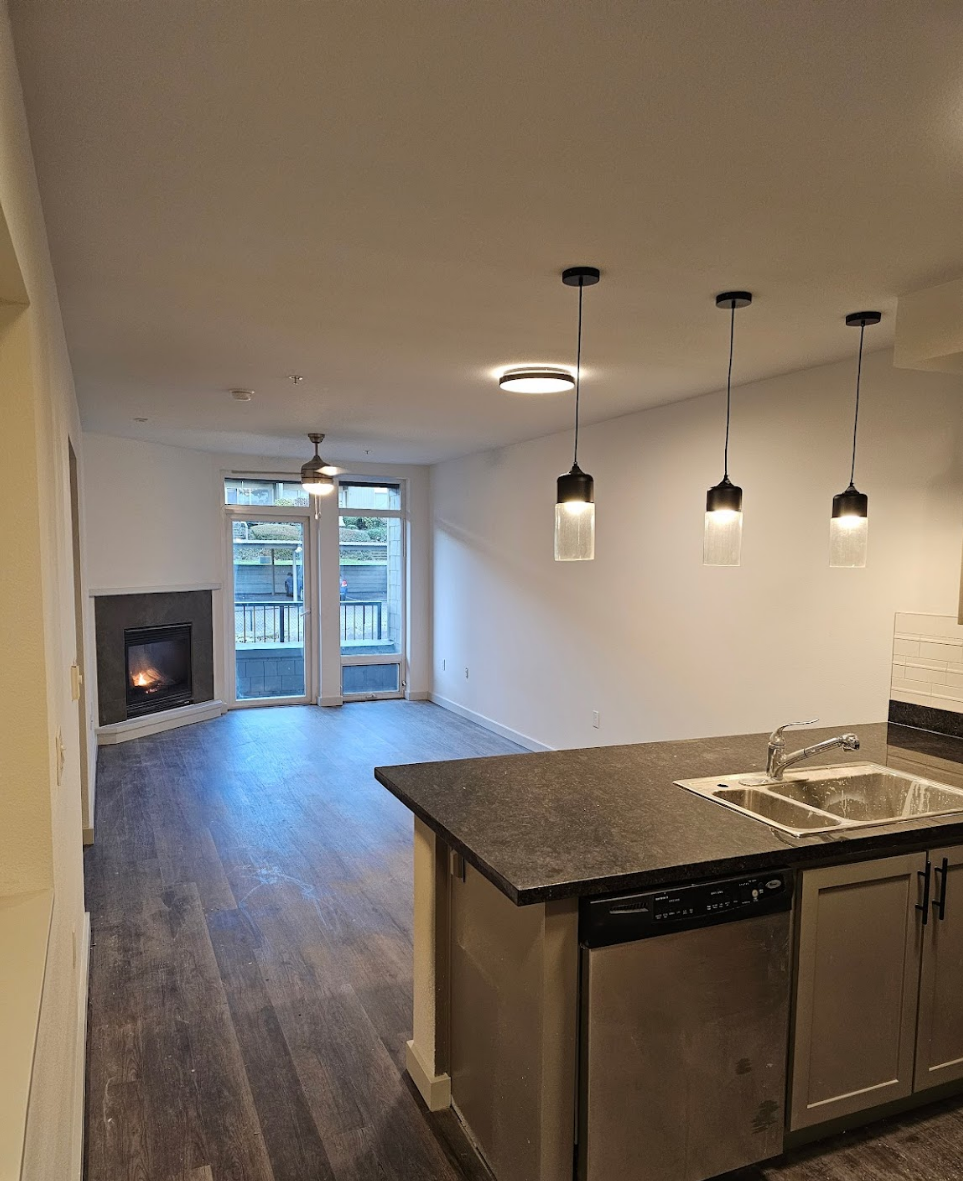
939, 905
924, 906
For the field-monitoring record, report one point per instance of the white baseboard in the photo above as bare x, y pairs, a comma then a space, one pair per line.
435, 1089
170, 719
489, 724
80, 1054
418, 695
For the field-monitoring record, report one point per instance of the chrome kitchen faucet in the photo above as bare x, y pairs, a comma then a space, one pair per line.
778, 761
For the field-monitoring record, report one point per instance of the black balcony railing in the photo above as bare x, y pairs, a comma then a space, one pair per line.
362, 620
266, 621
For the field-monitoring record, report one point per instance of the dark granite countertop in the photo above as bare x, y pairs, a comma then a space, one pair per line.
575, 822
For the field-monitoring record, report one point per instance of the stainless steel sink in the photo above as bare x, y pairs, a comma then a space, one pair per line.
827, 799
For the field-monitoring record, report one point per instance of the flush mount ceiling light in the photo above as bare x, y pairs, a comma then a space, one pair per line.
575, 501
317, 473
242, 395
849, 524
722, 545
536, 380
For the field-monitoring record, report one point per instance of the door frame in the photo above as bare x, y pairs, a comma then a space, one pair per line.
311, 645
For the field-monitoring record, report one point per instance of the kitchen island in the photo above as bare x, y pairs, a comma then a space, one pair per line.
505, 849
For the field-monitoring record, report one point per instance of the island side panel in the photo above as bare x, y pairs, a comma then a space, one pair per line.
514, 1005
427, 1053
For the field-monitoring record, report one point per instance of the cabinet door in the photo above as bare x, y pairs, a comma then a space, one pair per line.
857, 988
939, 1050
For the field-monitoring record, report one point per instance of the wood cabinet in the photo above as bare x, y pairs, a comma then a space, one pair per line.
939, 1049
860, 940
879, 1008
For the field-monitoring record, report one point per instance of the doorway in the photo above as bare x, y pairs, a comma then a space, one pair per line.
77, 686
284, 555
271, 616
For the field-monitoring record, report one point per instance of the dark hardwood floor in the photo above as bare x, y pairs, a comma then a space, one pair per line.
250, 991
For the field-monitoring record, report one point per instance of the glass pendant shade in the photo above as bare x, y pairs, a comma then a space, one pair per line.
849, 529
722, 545
318, 485
575, 517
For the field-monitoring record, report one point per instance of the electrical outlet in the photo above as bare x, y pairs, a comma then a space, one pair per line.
596, 721
466, 672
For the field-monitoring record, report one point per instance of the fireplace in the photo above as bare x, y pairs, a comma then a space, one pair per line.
158, 668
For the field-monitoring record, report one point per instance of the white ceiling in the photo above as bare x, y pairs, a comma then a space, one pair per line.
381, 196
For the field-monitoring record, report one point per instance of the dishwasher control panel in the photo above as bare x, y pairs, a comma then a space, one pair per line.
622, 917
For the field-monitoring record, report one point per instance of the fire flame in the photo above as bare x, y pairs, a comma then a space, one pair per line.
144, 676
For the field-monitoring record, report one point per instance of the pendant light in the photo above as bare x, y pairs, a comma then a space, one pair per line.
722, 545
575, 502
317, 474
849, 524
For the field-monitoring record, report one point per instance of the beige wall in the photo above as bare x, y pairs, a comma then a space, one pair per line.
662, 646
40, 821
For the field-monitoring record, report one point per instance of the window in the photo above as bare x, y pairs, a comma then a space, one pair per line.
276, 493
373, 497
371, 567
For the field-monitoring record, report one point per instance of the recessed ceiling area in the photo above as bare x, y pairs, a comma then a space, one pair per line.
382, 196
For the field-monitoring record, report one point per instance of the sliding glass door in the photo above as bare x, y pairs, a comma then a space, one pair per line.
284, 557
372, 567
272, 592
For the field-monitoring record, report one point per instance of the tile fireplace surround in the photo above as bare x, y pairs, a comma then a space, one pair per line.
113, 615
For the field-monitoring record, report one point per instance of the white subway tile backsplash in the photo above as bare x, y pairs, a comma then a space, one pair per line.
942, 701
931, 672
928, 625
927, 666
913, 698
945, 650
924, 662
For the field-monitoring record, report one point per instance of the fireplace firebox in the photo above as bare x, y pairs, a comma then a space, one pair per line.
158, 668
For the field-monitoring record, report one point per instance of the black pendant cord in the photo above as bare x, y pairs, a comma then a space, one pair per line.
732, 337
859, 373
578, 371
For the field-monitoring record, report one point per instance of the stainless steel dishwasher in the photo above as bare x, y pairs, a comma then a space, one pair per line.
684, 1028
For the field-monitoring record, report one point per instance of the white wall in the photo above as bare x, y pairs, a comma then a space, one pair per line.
151, 515
662, 646
40, 812
154, 519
